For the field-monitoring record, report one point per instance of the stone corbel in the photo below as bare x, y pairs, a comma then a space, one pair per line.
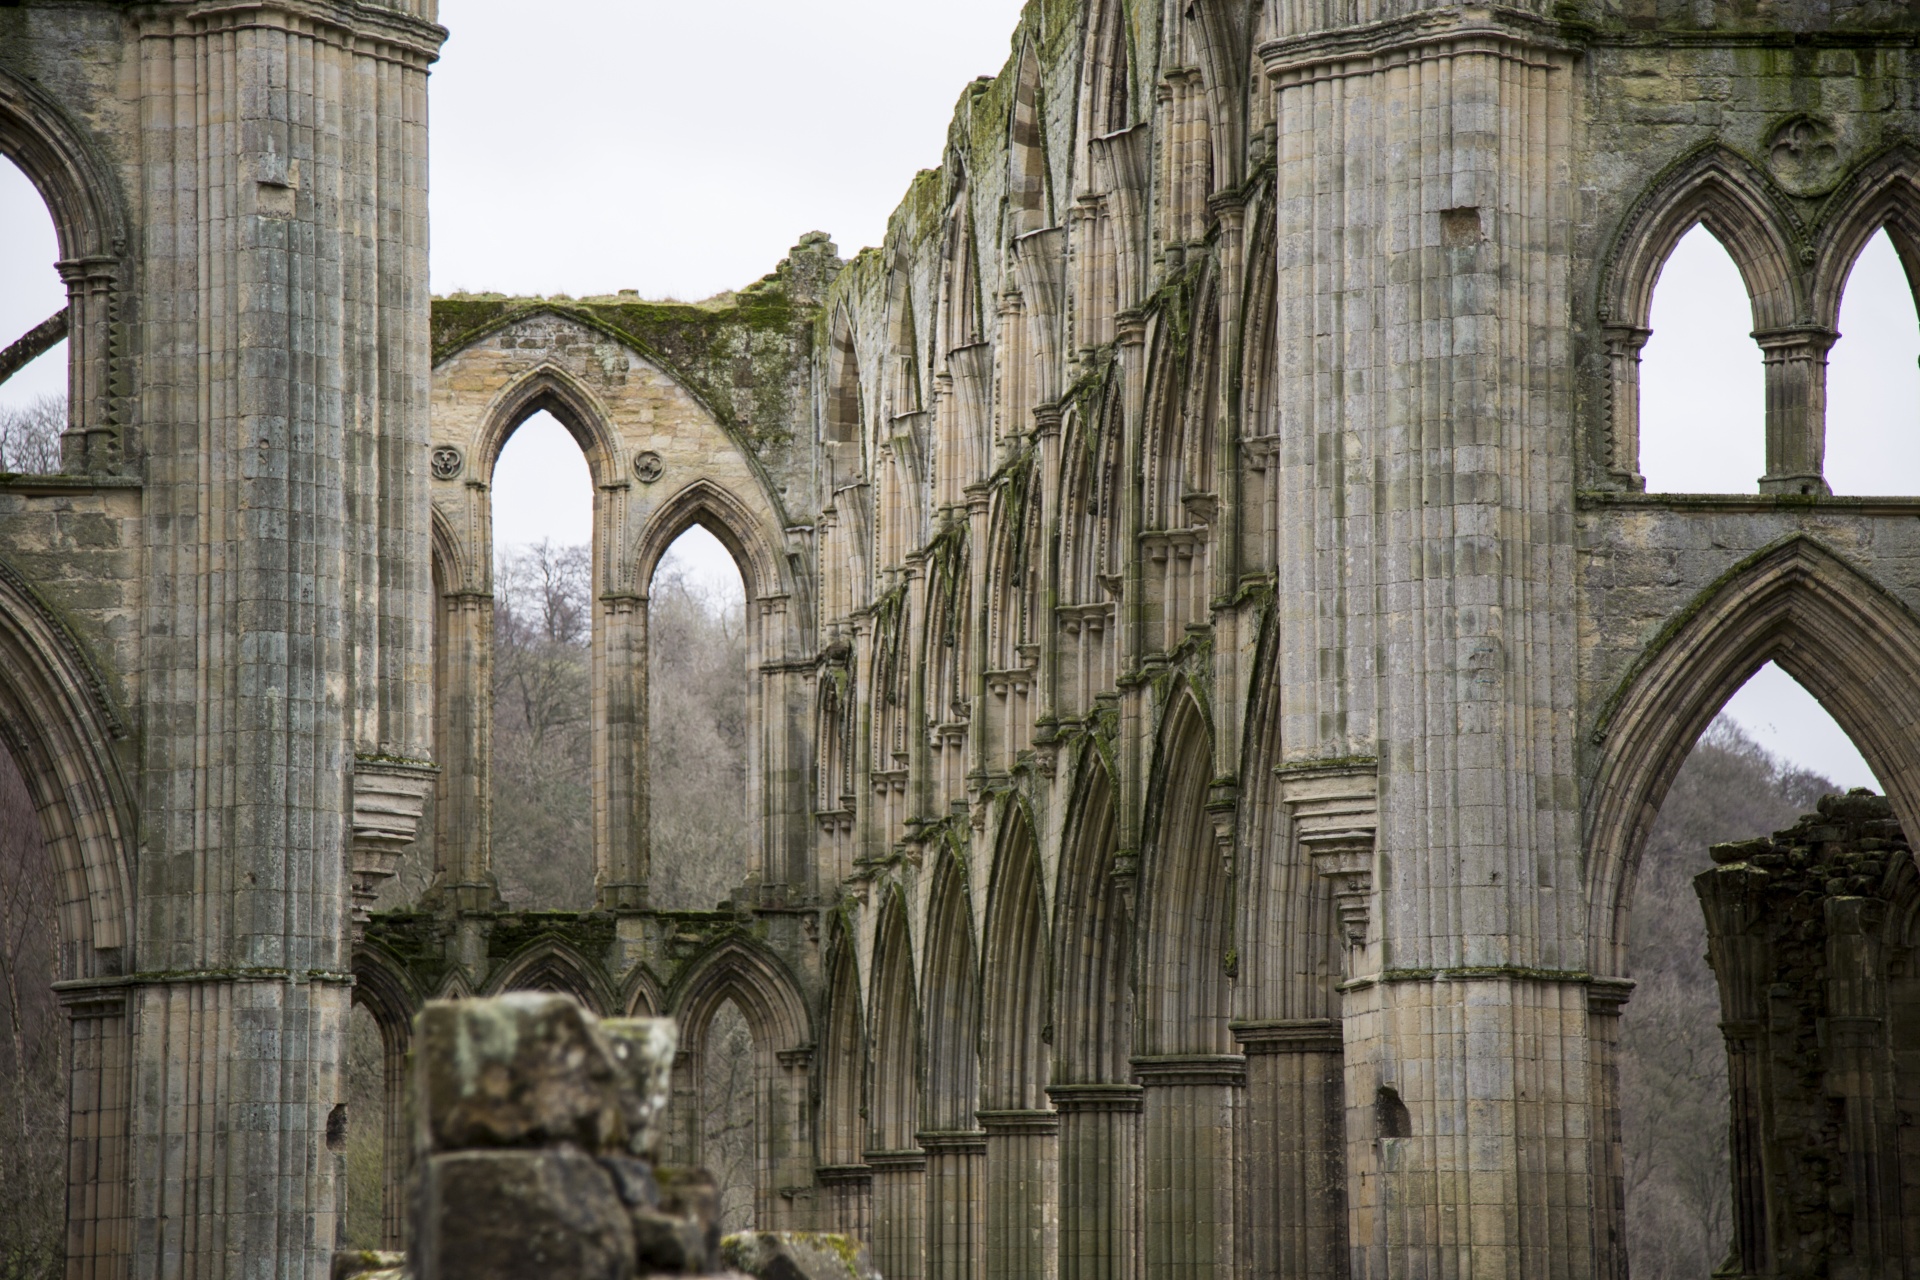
389, 797
1335, 809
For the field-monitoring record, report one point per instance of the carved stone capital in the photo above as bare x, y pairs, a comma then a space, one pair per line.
389, 797
1335, 810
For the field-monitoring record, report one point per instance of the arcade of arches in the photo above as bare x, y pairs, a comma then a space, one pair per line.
1212, 661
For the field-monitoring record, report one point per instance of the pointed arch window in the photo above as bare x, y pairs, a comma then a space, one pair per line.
33, 330
1873, 379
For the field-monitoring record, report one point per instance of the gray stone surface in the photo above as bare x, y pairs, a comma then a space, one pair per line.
511, 1215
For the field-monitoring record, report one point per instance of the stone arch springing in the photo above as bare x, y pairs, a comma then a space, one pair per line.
381, 986
1798, 604
760, 986
893, 1097
1883, 194
89, 221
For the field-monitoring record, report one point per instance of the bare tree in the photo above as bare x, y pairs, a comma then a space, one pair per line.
729, 1128
30, 435
1673, 1065
33, 1067
697, 743
542, 727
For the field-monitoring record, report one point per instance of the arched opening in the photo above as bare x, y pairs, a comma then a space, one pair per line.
1873, 379
729, 1115
1767, 759
1702, 382
542, 835
33, 329
33, 1043
697, 744
842, 1169
366, 1098
1800, 927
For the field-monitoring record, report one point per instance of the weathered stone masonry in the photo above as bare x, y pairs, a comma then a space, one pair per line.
1214, 661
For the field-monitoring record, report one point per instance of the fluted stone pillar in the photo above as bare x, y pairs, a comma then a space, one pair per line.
621, 804
1022, 1194
1188, 1187
1099, 1159
848, 1196
956, 1209
1796, 373
283, 398
899, 1213
1295, 1194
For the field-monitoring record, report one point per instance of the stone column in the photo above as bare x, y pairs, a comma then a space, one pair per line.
462, 811
1621, 456
283, 157
899, 1207
849, 1199
1796, 368
1860, 1065
1099, 1146
1295, 1193
99, 1115
621, 804
1022, 1200
1733, 899
956, 1217
1188, 1188
1606, 998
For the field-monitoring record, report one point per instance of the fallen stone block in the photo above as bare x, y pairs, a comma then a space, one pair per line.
509, 1215
521, 1070
797, 1255
643, 1050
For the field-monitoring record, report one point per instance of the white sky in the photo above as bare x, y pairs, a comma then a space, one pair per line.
681, 149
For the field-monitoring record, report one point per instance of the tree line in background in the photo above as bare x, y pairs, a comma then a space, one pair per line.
1672, 1061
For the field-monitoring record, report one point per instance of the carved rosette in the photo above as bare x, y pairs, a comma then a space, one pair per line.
1335, 810
389, 797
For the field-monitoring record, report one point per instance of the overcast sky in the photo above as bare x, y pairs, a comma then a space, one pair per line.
681, 149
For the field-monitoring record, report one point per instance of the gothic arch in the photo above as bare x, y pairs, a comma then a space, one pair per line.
1107, 89
1186, 895
728, 519
80, 192
1718, 189
383, 988
552, 965
894, 1094
549, 387
1014, 1051
1093, 936
1854, 647
1027, 186
842, 1080
758, 983
952, 986
90, 223
453, 566
1883, 193
643, 997
845, 401
57, 718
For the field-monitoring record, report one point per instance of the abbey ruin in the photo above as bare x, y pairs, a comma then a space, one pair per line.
1213, 661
